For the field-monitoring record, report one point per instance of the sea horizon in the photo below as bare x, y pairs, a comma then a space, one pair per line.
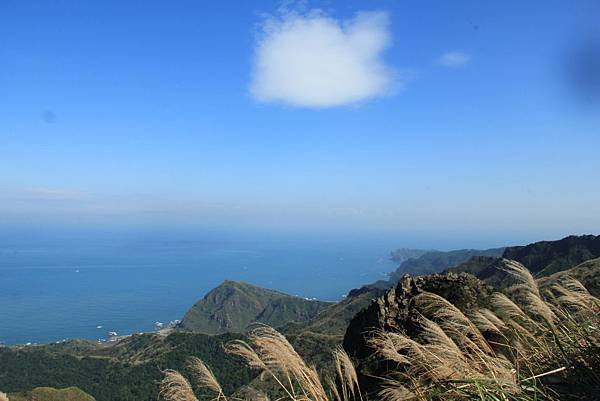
53, 289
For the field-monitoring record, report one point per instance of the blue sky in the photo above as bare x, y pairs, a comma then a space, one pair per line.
432, 116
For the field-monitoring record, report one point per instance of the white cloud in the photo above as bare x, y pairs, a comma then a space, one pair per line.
454, 59
313, 60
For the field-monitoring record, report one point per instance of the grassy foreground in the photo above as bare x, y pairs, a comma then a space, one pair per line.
535, 341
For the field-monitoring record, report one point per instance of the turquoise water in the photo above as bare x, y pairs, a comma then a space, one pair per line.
55, 286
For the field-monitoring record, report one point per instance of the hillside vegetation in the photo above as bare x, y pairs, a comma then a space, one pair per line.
542, 258
233, 306
334, 319
547, 257
124, 371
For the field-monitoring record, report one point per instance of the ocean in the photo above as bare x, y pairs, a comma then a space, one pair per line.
56, 286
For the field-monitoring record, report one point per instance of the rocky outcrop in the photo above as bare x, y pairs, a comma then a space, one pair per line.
395, 311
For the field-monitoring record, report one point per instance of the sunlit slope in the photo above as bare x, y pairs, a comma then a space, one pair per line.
234, 305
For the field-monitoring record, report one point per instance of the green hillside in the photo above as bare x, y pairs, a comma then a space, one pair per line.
233, 306
125, 371
334, 320
316, 338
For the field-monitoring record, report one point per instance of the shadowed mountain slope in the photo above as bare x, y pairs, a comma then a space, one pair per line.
542, 258
547, 257
334, 320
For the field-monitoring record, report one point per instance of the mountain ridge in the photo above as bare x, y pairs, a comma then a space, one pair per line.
542, 258
436, 261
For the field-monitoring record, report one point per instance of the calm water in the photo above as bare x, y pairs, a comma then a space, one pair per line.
61, 286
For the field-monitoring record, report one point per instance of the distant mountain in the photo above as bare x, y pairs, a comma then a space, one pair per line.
547, 257
234, 305
541, 258
401, 254
51, 394
437, 261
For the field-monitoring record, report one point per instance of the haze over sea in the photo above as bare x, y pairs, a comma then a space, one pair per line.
59, 285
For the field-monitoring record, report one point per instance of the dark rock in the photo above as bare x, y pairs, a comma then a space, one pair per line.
381, 285
395, 311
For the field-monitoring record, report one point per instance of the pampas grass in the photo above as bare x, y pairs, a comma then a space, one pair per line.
175, 387
270, 351
205, 376
3, 397
347, 376
532, 332
503, 352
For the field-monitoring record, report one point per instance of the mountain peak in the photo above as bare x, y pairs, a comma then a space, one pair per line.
234, 305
